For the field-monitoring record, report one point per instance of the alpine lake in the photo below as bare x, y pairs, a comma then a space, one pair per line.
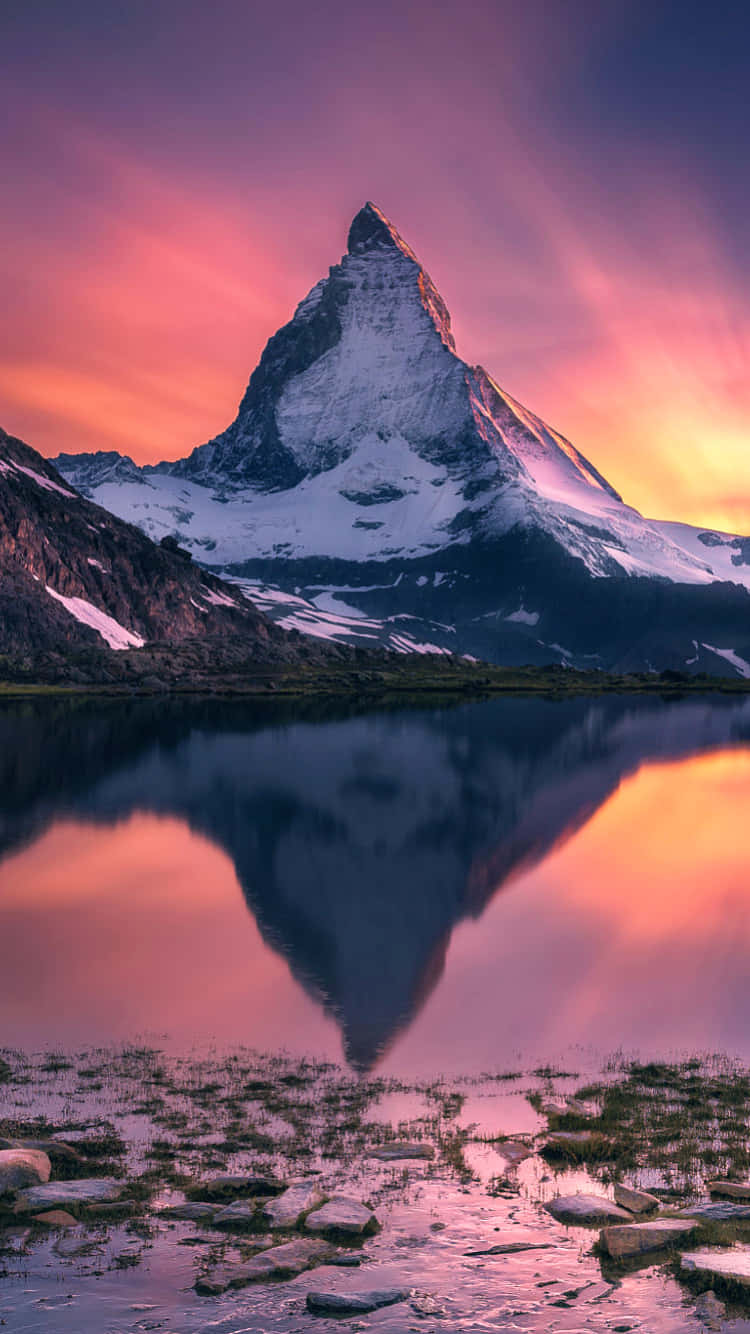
317, 1013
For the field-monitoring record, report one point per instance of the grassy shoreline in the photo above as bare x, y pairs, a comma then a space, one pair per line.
442, 678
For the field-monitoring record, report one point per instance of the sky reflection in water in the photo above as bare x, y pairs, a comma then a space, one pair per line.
465, 889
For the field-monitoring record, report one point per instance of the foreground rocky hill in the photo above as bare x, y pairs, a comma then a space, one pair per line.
85, 596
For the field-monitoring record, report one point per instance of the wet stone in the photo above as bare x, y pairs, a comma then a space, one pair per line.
729, 1190
56, 1218
586, 1209
89, 1190
513, 1151
23, 1167
342, 1215
69, 1248
718, 1213
339, 1303
731, 1265
641, 1238
287, 1209
636, 1201
402, 1149
286, 1261
218, 1188
239, 1216
192, 1211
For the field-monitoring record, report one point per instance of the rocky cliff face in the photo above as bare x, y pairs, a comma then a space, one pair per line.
74, 577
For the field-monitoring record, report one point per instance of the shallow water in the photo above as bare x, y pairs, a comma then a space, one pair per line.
456, 889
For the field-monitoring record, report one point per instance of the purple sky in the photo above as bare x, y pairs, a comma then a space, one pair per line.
177, 175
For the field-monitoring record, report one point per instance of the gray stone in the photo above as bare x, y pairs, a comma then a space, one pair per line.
279, 1262
340, 1303
729, 1190
342, 1215
636, 1201
730, 1265
221, 1187
237, 1216
68, 1248
641, 1238
287, 1209
586, 1209
23, 1167
717, 1213
192, 1211
56, 1218
513, 1151
388, 1153
710, 1310
61, 1193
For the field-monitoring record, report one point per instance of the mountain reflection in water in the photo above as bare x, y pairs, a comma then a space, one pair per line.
360, 841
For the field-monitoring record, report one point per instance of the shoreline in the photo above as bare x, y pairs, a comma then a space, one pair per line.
478, 681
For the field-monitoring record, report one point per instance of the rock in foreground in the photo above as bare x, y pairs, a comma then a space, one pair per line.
280, 1262
54, 1194
641, 1238
287, 1209
23, 1167
399, 1149
729, 1190
338, 1303
635, 1201
342, 1215
729, 1266
586, 1209
724, 1212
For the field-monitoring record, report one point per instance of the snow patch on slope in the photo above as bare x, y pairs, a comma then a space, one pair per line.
110, 630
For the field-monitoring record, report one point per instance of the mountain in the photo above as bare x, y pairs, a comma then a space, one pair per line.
369, 463
360, 842
85, 594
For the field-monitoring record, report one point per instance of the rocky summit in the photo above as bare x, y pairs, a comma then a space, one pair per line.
374, 486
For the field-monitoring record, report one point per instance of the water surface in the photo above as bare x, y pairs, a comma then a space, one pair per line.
458, 889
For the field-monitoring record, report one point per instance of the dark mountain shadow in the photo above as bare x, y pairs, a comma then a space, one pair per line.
360, 839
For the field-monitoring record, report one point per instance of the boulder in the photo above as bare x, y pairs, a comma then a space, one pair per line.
56, 1150
23, 1167
729, 1190
236, 1217
398, 1149
719, 1263
340, 1303
633, 1239
279, 1262
342, 1215
56, 1218
513, 1151
192, 1211
724, 1212
223, 1187
586, 1209
636, 1201
88, 1190
288, 1208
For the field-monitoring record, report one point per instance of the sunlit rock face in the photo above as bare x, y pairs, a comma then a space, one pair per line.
359, 842
369, 463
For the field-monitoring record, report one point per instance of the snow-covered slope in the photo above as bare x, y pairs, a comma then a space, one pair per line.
364, 441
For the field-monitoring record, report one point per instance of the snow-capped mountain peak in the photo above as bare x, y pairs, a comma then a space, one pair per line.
366, 454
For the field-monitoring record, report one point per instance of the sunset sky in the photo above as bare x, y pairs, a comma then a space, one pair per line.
572, 173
